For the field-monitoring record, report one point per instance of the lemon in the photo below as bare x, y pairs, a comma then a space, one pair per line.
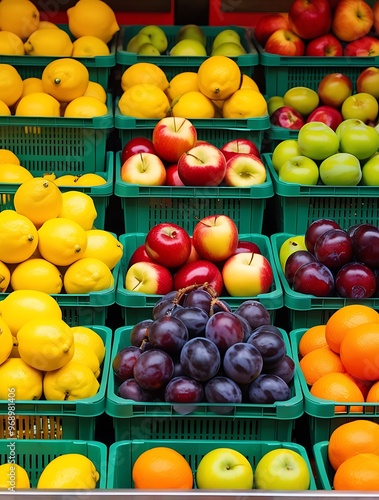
26, 380
7, 156
13, 476
11, 44
65, 79
47, 24
193, 104
85, 107
182, 83
248, 83
37, 274
87, 275
5, 276
79, 207
14, 352
46, 343
83, 354
61, 241
19, 16
89, 179
18, 237
32, 85
144, 100
83, 335
11, 83
71, 382
4, 109
98, 19
219, 77
144, 72
14, 173
38, 104
103, 245
69, 471
95, 89
89, 46
6, 341
49, 42
245, 103
65, 180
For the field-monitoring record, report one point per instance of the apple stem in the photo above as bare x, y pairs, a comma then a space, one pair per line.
196, 157
208, 225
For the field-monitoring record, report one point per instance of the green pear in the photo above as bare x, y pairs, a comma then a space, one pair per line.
227, 35
136, 42
148, 49
157, 37
275, 102
228, 49
192, 32
188, 48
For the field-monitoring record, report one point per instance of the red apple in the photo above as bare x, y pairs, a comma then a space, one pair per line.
287, 117
199, 271
193, 255
173, 136
334, 88
236, 146
310, 18
215, 237
145, 169
139, 255
267, 24
172, 176
285, 43
202, 165
326, 114
245, 170
137, 145
363, 47
149, 278
368, 81
375, 9
168, 244
247, 246
324, 46
352, 19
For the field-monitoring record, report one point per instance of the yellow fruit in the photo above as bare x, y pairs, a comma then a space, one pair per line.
103, 245
13, 476
25, 381
83, 354
6, 341
248, 83
83, 335
14, 173
18, 237
87, 275
14, 353
85, 107
4, 109
144, 100
182, 83
47, 24
95, 89
5, 277
38, 104
19, 16
7, 156
79, 207
32, 85
65, 180
65, 79
219, 77
245, 103
61, 241
69, 471
38, 199
89, 179
10, 83
49, 176
98, 19
49, 42
89, 46
11, 44
144, 73
37, 274
71, 382
193, 105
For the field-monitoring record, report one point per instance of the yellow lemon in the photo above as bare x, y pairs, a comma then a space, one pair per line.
89, 46
89, 179
245, 103
4, 109
14, 173
6, 341
47, 24
72, 471
11, 83
85, 355
144, 72
84, 335
5, 276
193, 104
87, 275
25, 380
95, 89
79, 207
248, 83
98, 19
103, 245
13, 476
11, 44
49, 42
19, 16
38, 199
65, 180
49, 176
14, 353
219, 77
65, 79
32, 85
71, 382
38, 104
182, 83
144, 100
7, 156
37, 274
85, 107
18, 237
61, 241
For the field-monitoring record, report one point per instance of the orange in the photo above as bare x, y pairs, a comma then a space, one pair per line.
318, 362
345, 318
162, 468
352, 438
373, 396
359, 351
313, 338
338, 387
359, 473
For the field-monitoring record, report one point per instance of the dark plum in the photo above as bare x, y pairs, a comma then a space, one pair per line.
355, 281
267, 328
254, 312
164, 308
153, 369
316, 229
222, 390
296, 260
168, 333
200, 359
314, 278
270, 345
123, 362
139, 332
334, 248
194, 318
285, 369
242, 363
224, 329
130, 389
267, 389
366, 244
246, 327
221, 305
183, 389
198, 298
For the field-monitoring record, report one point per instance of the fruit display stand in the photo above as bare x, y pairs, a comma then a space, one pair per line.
123, 454
56, 420
275, 134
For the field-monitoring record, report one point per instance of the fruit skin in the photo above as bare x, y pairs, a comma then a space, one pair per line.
317, 141
352, 19
370, 171
287, 117
202, 165
137, 145
314, 278
303, 99
289, 246
284, 151
143, 169
334, 88
341, 169
286, 43
168, 244
149, 278
299, 170
267, 24
368, 81
362, 141
326, 114
363, 47
245, 170
173, 136
215, 237
325, 46
156, 36
199, 271
361, 106
310, 18
239, 146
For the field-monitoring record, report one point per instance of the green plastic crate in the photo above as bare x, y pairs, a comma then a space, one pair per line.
322, 416
276, 135
122, 455
323, 469
56, 420
299, 205
33, 456
160, 420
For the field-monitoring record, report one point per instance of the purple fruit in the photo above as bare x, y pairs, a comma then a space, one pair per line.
224, 329
222, 390
268, 389
200, 359
123, 362
168, 333
129, 389
334, 248
194, 318
270, 345
183, 389
138, 333
355, 281
285, 369
296, 260
153, 369
316, 229
242, 363
315, 279
254, 312
366, 244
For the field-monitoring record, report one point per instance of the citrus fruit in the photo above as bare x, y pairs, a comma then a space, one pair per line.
85, 107
14, 173
312, 338
373, 393
7, 156
47, 24
318, 362
248, 83
103, 245
13, 473
19, 16
4, 109
26, 380
97, 20
38, 104
5, 277
89, 46
84, 335
219, 77
14, 353
65, 79
49, 42
61, 241
89, 179
346, 318
87, 275
181, 83
10, 83
6, 341
144, 72
358, 473
11, 44
79, 207
193, 104
37, 274
84, 354
162, 467
65, 180
245, 103
95, 89
69, 471
338, 387
31, 86
18, 237
144, 100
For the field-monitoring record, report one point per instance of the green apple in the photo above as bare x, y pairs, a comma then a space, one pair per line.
361, 141
228, 49
157, 37
188, 48
317, 140
347, 123
136, 42
284, 151
274, 102
303, 99
224, 469
290, 246
282, 469
370, 171
341, 169
226, 36
148, 49
299, 170
363, 106
192, 32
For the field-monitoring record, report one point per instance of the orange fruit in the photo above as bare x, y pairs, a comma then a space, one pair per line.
313, 338
373, 396
162, 468
340, 388
318, 362
360, 473
346, 318
352, 438
359, 351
